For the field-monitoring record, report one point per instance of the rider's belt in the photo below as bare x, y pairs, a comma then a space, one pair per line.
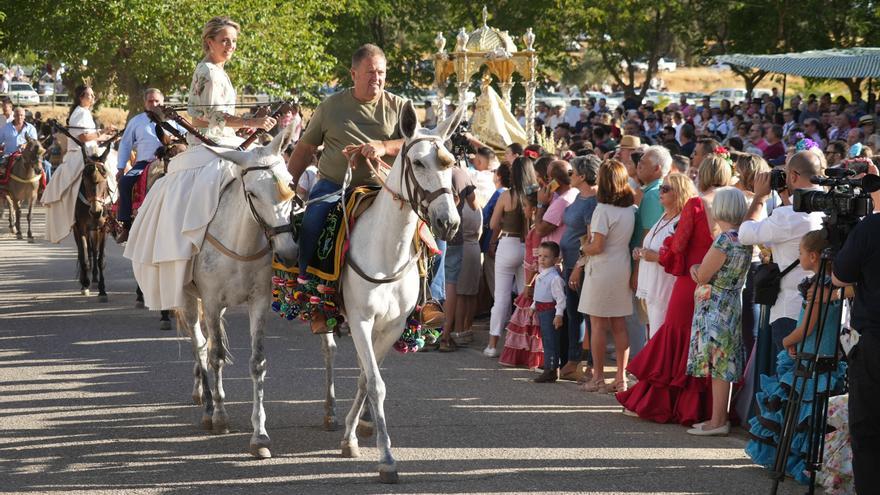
507, 234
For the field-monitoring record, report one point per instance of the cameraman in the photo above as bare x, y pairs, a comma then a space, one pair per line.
858, 263
782, 232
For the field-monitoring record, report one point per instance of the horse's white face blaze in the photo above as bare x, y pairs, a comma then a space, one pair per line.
267, 192
432, 166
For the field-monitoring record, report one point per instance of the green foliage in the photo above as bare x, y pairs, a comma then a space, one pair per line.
130, 45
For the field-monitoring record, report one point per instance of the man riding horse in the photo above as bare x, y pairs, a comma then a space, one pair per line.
14, 135
140, 137
365, 116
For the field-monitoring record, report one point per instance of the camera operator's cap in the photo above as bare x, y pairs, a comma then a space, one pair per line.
629, 142
866, 119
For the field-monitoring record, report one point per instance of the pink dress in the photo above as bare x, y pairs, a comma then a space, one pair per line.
523, 347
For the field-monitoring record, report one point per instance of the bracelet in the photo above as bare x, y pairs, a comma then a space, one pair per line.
541, 205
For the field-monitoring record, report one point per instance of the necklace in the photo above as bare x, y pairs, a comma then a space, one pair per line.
658, 227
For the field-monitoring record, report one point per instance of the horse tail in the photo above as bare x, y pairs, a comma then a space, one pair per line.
225, 353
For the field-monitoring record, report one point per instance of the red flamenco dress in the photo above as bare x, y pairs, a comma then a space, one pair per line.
523, 347
664, 392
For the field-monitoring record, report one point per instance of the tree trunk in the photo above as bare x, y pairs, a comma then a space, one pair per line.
854, 84
135, 90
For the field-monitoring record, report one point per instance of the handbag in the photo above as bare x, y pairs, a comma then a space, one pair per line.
768, 279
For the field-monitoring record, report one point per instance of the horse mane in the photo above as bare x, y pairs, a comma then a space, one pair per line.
284, 190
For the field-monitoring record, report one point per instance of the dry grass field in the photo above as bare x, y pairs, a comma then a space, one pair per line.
700, 79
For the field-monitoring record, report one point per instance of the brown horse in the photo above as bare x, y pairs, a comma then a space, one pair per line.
24, 184
91, 225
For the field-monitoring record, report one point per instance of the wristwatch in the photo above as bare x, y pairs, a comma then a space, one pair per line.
541, 205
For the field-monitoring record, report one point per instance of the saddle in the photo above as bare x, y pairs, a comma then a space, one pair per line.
300, 296
6, 168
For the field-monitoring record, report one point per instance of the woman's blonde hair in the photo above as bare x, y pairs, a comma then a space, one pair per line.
214, 26
683, 187
714, 172
748, 165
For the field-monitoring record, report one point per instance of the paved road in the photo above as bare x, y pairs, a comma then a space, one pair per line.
94, 398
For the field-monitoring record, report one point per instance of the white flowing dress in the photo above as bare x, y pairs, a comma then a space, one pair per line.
171, 223
655, 285
61, 192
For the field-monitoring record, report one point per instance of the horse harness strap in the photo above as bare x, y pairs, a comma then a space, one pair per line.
268, 230
25, 181
232, 254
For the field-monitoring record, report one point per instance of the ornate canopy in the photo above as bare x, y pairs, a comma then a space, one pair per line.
492, 49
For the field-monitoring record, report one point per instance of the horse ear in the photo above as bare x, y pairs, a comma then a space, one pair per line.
279, 142
448, 126
106, 152
240, 158
408, 120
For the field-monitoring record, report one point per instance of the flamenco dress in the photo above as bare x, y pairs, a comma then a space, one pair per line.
772, 400
523, 347
664, 392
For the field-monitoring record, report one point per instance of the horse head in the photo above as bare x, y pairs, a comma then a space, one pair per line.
32, 153
95, 187
265, 180
427, 164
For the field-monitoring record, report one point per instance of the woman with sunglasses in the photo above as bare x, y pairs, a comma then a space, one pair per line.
655, 285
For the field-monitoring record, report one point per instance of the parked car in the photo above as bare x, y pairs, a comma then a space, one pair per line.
552, 99
734, 95
23, 94
46, 89
664, 65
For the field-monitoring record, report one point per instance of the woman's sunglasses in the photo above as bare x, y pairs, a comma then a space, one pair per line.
665, 188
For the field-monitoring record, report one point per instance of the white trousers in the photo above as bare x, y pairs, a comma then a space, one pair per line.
508, 276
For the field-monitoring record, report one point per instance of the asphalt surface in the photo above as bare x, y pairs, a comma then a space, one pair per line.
94, 398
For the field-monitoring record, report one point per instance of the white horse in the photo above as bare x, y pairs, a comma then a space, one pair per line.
380, 284
234, 267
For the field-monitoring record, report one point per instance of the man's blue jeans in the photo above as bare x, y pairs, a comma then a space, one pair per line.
314, 219
575, 319
126, 184
47, 168
550, 338
438, 282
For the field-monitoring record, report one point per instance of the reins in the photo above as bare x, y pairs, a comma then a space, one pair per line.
416, 197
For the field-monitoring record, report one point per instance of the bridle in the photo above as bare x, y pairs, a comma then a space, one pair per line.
268, 231
418, 198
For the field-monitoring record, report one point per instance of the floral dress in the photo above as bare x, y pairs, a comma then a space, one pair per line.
716, 336
211, 98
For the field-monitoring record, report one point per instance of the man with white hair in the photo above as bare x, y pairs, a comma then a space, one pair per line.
655, 164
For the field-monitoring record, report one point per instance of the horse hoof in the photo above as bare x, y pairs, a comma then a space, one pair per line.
364, 429
103, 298
207, 423
31, 240
351, 451
389, 477
85, 292
139, 304
19, 236
165, 325
220, 427
330, 424
197, 400
260, 451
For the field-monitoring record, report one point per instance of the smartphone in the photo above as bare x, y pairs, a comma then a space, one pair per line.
553, 185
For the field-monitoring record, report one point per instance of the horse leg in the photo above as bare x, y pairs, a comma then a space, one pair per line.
99, 262
361, 332
29, 214
81, 241
93, 255
218, 354
260, 442
349, 444
328, 349
18, 219
188, 323
7, 201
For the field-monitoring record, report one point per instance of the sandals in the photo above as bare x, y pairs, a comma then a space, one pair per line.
614, 387
592, 385
447, 345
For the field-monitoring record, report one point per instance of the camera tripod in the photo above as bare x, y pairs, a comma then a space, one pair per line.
812, 369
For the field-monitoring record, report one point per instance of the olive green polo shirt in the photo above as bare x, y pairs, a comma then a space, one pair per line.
342, 120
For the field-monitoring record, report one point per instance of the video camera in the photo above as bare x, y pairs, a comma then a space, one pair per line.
844, 204
461, 146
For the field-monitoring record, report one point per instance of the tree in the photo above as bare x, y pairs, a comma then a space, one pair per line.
622, 32
126, 46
